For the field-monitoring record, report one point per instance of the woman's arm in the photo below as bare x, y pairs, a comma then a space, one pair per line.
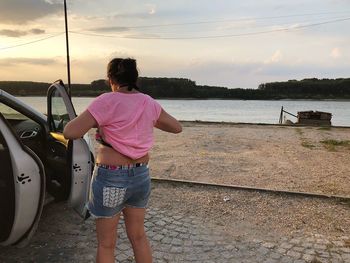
77, 127
168, 123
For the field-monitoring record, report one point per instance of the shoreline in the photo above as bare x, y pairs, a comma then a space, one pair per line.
261, 124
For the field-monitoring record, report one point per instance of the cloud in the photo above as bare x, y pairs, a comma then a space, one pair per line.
335, 53
152, 9
132, 15
275, 58
109, 29
37, 31
21, 12
20, 33
244, 74
27, 61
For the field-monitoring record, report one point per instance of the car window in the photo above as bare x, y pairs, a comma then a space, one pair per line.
59, 112
11, 114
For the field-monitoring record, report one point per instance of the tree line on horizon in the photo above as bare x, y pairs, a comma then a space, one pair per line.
311, 88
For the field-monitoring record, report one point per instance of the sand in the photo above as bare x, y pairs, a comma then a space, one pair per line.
265, 156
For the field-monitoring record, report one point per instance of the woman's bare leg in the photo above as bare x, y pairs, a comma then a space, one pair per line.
134, 223
106, 229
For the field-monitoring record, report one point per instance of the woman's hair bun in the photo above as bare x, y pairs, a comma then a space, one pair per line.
128, 64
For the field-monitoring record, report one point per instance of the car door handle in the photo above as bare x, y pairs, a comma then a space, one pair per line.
28, 134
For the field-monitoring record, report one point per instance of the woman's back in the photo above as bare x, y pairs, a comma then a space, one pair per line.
126, 121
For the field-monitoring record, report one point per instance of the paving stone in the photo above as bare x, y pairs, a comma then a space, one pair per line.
281, 250
177, 242
286, 245
123, 246
345, 249
157, 237
293, 254
307, 245
270, 260
286, 260
176, 250
269, 245
160, 223
295, 241
197, 243
346, 257
320, 247
309, 252
174, 239
336, 256
308, 258
188, 243
298, 249
184, 236
324, 254
338, 243
275, 255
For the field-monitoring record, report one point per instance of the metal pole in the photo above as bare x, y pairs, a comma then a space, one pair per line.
67, 46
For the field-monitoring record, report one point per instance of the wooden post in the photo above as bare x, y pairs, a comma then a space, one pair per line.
281, 115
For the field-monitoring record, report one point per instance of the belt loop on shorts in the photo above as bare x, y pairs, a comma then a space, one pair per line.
131, 172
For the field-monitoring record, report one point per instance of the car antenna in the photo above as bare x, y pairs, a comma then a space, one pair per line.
67, 46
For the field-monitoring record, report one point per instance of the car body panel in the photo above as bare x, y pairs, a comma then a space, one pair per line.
29, 184
80, 160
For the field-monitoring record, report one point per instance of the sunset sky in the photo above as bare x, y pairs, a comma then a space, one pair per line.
223, 42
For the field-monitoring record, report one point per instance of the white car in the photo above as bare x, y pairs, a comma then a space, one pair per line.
35, 159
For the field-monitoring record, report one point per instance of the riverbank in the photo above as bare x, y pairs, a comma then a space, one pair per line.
308, 159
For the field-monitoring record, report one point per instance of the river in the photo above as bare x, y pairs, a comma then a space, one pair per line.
245, 111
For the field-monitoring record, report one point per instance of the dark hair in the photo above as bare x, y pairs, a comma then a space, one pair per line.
123, 72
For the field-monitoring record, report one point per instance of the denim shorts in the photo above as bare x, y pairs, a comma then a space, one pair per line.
112, 190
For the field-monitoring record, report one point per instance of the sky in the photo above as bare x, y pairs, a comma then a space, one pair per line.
230, 43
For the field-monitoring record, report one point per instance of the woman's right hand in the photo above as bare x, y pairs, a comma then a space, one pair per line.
168, 123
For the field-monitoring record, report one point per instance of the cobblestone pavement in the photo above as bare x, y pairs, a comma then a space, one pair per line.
63, 237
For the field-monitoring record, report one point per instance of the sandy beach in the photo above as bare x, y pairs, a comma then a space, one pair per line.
265, 156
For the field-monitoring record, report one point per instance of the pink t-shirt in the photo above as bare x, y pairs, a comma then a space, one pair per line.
126, 121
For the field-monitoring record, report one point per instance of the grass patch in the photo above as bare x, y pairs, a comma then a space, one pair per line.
307, 145
332, 144
299, 131
324, 129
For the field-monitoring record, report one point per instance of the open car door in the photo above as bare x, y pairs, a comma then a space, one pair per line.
78, 159
22, 188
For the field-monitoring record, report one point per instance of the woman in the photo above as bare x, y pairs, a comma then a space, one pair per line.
125, 119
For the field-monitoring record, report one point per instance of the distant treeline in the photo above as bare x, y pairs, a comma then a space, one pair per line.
184, 88
312, 88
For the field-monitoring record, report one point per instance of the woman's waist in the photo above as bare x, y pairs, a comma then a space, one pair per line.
109, 156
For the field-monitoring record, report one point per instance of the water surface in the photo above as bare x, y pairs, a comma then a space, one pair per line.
246, 111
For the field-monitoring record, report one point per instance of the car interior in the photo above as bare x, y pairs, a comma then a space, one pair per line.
51, 150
